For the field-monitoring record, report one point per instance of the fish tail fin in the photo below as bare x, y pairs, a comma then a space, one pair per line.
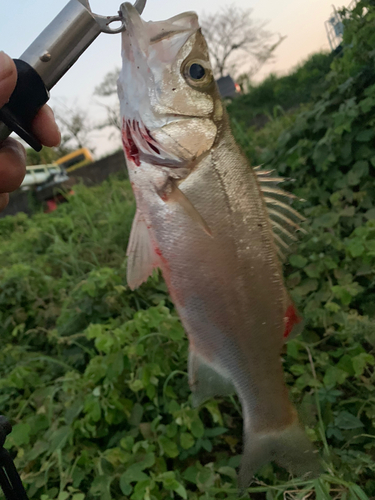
289, 447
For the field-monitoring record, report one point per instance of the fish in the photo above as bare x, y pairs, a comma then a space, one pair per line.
217, 229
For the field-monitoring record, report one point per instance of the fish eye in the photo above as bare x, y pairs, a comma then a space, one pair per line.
197, 73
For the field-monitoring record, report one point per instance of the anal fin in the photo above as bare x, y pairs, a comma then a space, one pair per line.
205, 381
142, 258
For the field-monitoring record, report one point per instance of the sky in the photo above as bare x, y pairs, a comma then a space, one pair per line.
21, 21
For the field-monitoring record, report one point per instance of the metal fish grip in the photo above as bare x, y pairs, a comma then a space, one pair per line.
48, 58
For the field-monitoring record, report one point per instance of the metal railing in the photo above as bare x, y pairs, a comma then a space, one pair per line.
335, 26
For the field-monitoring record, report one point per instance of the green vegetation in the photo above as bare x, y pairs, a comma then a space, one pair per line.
93, 376
286, 92
45, 156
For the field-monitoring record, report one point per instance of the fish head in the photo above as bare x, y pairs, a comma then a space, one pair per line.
167, 90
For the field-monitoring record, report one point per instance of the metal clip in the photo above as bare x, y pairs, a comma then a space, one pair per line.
105, 21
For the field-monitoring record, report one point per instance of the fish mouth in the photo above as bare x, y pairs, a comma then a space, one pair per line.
146, 34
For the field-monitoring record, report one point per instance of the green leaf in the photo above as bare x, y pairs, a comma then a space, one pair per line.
134, 473
355, 247
169, 447
298, 261
346, 420
321, 490
358, 491
186, 440
328, 220
361, 168
126, 488
361, 361
332, 306
180, 489
21, 434
59, 438
206, 477
171, 430
313, 270
228, 471
136, 414
293, 349
63, 495
365, 135
347, 212
197, 427
147, 461
334, 376
307, 286
342, 293
367, 104
190, 474
216, 431
345, 363
213, 408
370, 214
78, 496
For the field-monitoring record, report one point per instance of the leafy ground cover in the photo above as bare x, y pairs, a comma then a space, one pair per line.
93, 375
94, 378
286, 92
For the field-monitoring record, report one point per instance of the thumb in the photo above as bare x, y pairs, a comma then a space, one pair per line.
8, 78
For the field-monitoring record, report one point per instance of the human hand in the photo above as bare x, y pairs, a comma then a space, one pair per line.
12, 153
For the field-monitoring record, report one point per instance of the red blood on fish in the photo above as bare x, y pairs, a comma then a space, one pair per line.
291, 320
130, 147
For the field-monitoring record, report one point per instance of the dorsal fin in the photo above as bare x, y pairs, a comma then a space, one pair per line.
285, 220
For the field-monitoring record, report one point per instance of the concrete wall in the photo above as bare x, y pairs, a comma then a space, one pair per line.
99, 171
91, 175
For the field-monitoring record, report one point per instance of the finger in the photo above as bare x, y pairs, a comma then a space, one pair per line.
12, 165
45, 128
8, 78
4, 200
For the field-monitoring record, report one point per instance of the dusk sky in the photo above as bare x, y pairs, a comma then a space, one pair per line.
301, 21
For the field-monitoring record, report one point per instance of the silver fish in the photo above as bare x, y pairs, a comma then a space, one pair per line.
214, 226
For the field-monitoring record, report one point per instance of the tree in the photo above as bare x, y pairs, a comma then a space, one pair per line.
237, 42
75, 128
43, 157
108, 90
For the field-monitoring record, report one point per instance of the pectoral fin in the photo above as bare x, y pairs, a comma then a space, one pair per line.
177, 196
142, 259
205, 381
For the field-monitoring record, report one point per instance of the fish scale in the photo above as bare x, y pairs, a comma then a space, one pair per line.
203, 220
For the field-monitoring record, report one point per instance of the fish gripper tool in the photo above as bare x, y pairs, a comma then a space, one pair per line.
47, 59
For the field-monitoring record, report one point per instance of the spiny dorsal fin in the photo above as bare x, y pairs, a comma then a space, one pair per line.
285, 220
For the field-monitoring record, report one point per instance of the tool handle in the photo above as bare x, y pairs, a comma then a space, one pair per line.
28, 97
10, 481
